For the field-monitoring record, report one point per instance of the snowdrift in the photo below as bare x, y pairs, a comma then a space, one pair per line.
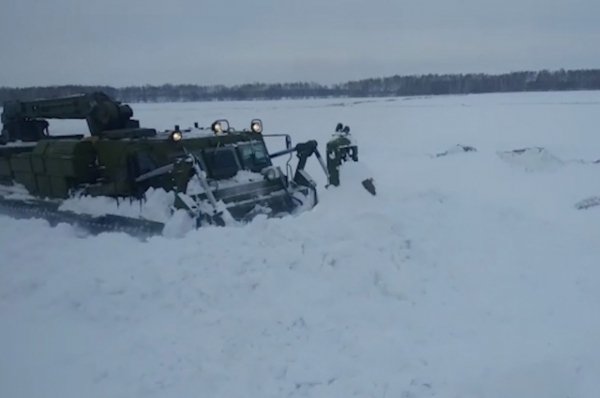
463, 277
531, 159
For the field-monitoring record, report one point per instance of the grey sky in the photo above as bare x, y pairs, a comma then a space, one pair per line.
122, 42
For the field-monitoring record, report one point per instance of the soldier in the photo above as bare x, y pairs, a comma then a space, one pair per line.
340, 149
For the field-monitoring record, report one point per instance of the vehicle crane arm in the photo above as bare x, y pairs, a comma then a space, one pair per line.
25, 120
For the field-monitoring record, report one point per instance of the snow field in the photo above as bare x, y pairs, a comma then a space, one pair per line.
469, 275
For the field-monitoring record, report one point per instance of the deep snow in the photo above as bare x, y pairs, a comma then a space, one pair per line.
468, 275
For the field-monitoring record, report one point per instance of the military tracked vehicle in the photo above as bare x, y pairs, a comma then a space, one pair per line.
216, 173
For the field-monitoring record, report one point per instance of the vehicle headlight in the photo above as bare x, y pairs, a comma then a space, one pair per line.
271, 173
256, 126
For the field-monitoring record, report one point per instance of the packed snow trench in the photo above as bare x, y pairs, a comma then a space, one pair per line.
466, 276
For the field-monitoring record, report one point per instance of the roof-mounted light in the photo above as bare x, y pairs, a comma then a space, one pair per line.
220, 126
176, 135
256, 126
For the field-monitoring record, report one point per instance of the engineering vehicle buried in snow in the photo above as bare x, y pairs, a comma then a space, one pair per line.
121, 160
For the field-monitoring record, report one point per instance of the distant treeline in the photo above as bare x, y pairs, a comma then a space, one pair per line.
430, 84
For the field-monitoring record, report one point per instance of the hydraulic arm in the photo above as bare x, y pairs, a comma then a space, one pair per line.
304, 150
25, 120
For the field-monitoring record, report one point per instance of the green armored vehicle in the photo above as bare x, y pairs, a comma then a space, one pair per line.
215, 172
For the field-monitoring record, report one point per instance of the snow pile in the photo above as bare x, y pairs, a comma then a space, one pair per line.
179, 224
531, 159
456, 149
157, 205
461, 278
15, 191
587, 203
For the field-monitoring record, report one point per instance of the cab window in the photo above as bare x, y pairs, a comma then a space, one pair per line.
221, 163
254, 156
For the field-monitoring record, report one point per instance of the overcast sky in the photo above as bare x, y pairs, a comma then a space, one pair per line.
125, 42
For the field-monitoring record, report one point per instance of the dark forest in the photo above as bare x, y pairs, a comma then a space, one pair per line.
430, 84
